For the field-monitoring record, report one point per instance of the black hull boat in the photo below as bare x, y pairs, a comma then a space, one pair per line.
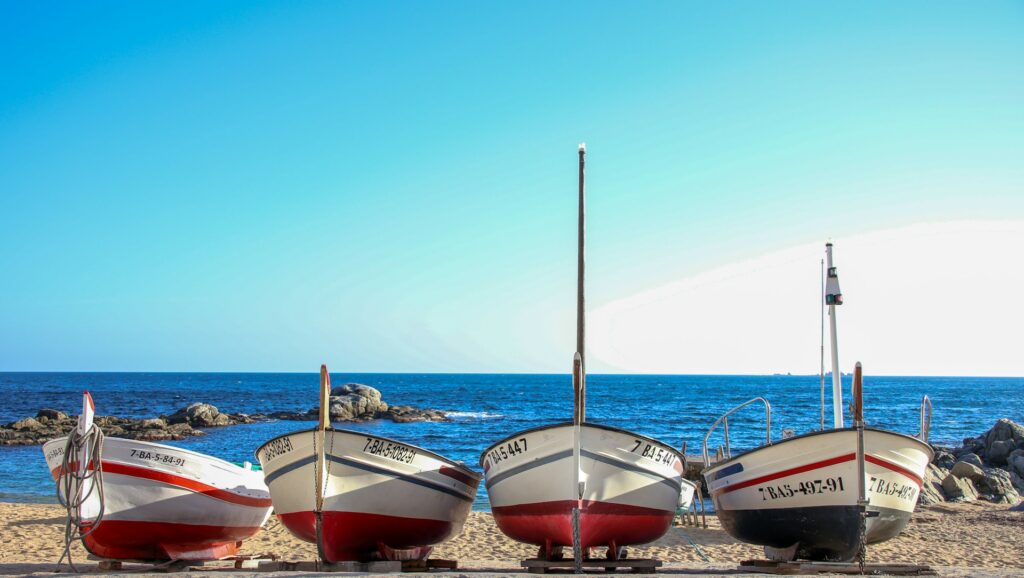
827, 494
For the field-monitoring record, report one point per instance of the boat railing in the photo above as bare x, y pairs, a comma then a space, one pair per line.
724, 420
926, 419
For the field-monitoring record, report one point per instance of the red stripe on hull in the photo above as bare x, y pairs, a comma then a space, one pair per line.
601, 523
356, 535
179, 481
818, 465
457, 475
898, 469
131, 540
786, 473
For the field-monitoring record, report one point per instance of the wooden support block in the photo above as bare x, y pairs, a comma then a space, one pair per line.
109, 565
808, 568
636, 566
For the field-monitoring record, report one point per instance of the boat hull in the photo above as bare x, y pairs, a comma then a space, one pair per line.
167, 503
631, 486
382, 498
803, 491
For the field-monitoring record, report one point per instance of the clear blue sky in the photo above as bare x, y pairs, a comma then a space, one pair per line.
391, 186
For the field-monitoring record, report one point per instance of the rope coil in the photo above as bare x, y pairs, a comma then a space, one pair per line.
80, 476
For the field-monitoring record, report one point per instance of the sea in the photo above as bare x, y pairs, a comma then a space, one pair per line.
484, 408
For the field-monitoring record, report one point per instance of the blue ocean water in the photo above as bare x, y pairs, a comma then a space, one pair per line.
486, 408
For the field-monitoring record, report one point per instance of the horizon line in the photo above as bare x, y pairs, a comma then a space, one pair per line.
775, 374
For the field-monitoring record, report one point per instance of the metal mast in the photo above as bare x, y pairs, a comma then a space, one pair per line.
833, 297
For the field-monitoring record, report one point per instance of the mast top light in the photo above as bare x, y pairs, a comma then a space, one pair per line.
583, 147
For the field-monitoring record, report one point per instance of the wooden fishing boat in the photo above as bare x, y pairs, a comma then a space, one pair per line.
362, 497
826, 494
145, 501
580, 484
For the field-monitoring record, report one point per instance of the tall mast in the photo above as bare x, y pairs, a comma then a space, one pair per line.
821, 367
833, 297
579, 382
580, 386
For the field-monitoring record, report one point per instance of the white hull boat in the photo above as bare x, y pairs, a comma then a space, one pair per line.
631, 486
579, 484
377, 498
161, 502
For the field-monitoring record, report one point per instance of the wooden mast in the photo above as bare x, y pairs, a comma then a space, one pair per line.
320, 454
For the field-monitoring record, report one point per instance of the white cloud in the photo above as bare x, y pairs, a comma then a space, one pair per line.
928, 299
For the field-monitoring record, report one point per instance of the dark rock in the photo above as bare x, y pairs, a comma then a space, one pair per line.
943, 457
1003, 438
1015, 462
406, 414
200, 415
52, 414
931, 491
998, 451
959, 489
967, 470
997, 486
1018, 482
972, 459
970, 446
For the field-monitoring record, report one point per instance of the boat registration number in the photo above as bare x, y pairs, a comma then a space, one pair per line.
654, 453
894, 489
507, 450
157, 457
390, 450
805, 488
55, 453
277, 447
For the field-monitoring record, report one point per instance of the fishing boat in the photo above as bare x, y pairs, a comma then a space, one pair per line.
826, 494
136, 500
362, 497
580, 484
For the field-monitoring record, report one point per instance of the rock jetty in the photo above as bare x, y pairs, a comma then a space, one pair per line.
349, 402
989, 467
358, 402
51, 423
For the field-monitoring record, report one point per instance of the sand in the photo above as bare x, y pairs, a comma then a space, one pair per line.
958, 539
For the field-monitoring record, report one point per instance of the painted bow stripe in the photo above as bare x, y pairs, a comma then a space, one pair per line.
818, 465
179, 481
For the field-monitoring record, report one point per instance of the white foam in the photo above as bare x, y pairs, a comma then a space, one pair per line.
473, 414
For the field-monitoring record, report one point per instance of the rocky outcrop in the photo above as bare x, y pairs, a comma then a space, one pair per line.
967, 470
349, 402
205, 415
50, 423
358, 402
958, 489
931, 490
989, 467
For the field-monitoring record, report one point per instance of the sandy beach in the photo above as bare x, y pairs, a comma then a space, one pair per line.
957, 539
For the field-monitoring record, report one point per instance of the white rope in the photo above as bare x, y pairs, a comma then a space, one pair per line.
74, 478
